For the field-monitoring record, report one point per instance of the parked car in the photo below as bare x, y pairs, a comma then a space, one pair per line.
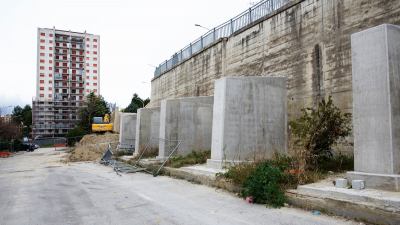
28, 147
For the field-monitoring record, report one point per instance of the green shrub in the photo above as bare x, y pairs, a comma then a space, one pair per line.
239, 173
265, 184
190, 159
317, 130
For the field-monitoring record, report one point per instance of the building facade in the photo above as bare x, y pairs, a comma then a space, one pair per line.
68, 69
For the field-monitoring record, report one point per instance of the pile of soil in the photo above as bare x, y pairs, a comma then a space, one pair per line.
91, 147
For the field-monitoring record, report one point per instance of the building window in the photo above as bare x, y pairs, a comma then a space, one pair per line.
41, 68
41, 74
42, 54
87, 91
41, 88
42, 81
87, 39
87, 64
42, 41
50, 55
94, 71
50, 48
50, 68
50, 41
95, 65
87, 58
50, 95
42, 95
42, 34
50, 75
87, 71
87, 77
50, 35
50, 61
50, 81
94, 40
42, 47
94, 84
87, 84
88, 46
94, 59
87, 52
50, 88
95, 90
42, 61
95, 52
94, 78
94, 46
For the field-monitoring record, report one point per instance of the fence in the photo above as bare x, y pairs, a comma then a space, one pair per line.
246, 18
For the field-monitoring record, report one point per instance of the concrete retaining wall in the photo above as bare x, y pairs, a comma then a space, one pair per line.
308, 43
147, 128
188, 120
127, 133
250, 119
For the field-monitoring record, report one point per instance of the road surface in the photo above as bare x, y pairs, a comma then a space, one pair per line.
37, 188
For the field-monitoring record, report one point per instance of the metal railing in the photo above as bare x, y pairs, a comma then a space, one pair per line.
246, 18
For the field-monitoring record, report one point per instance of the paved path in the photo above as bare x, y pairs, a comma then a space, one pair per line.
36, 188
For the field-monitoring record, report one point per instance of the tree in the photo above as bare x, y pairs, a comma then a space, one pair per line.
136, 103
96, 106
23, 116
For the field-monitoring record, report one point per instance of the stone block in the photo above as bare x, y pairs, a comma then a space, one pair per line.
127, 133
358, 184
341, 183
376, 104
147, 129
116, 120
250, 119
188, 120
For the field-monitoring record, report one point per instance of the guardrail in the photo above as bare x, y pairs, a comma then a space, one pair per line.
246, 18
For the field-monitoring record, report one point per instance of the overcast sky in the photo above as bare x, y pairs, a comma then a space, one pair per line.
135, 35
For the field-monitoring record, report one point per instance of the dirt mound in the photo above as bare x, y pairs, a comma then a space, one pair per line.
91, 147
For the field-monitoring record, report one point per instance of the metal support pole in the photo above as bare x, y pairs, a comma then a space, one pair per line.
250, 17
231, 26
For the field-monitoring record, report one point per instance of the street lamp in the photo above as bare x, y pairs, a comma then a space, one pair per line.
198, 25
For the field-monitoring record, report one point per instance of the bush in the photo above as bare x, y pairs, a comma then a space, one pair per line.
190, 159
265, 185
317, 130
75, 135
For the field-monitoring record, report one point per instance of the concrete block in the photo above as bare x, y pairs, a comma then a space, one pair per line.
376, 100
341, 183
147, 128
127, 133
250, 119
116, 120
188, 120
358, 184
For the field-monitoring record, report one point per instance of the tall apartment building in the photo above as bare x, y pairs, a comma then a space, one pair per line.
68, 69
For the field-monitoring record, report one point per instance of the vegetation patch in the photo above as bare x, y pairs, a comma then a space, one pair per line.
193, 158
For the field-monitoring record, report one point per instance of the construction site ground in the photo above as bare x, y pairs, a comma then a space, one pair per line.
38, 188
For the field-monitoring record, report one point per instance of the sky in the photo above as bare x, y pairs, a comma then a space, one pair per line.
135, 36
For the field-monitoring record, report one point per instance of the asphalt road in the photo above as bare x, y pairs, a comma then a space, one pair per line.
36, 188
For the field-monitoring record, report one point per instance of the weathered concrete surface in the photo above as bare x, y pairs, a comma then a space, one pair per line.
116, 117
127, 133
147, 128
188, 120
36, 188
376, 105
369, 205
308, 43
250, 119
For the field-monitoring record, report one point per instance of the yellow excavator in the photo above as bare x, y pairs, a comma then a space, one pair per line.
102, 125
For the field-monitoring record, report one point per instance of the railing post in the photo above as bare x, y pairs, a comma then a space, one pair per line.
250, 17
190, 45
231, 26
214, 36
201, 42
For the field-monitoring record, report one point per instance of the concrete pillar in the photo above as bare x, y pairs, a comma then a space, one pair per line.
116, 120
147, 128
250, 119
127, 133
188, 120
376, 106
